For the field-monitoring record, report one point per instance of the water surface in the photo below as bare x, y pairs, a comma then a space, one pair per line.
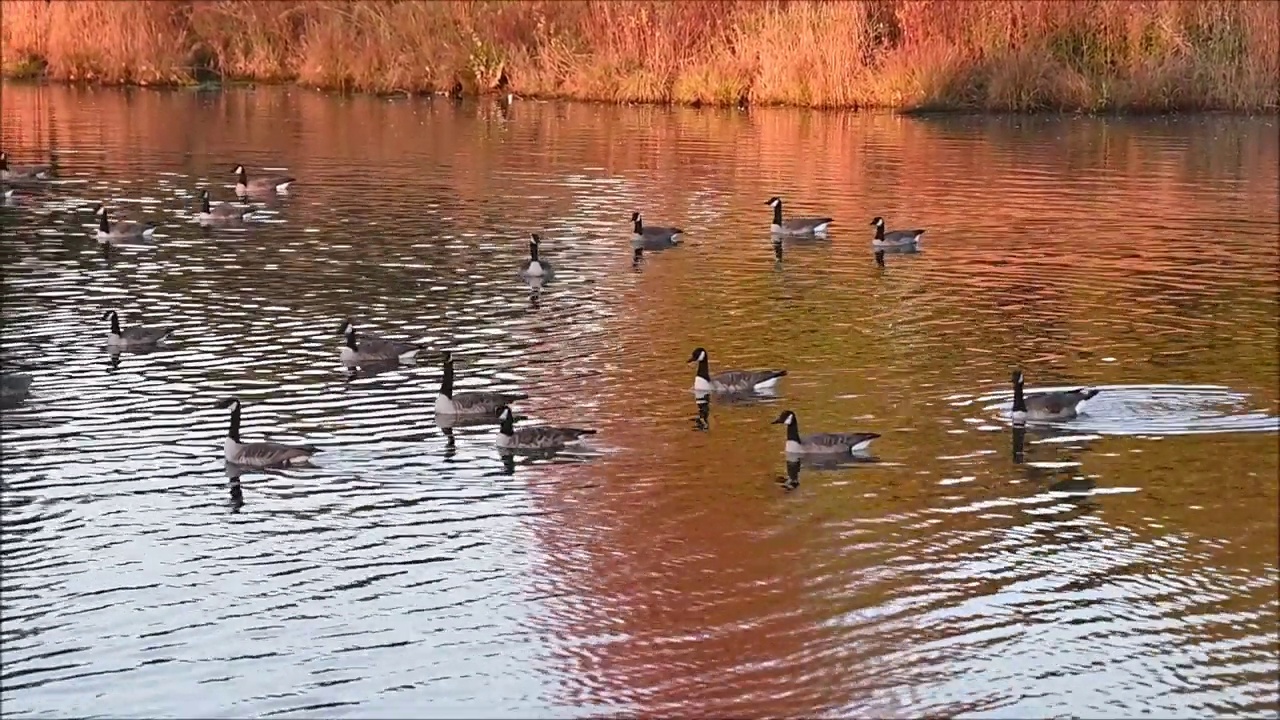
1120, 564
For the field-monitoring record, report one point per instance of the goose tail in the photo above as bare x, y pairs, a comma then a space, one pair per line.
578, 432
1088, 393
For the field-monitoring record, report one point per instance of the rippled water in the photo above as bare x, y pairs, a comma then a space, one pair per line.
1121, 563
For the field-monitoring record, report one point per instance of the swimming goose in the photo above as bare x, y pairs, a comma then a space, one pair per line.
121, 230
24, 172
13, 389
796, 226
533, 267
372, 350
1058, 405
259, 454
136, 336
536, 437
824, 444
653, 237
731, 381
895, 239
222, 213
472, 402
264, 185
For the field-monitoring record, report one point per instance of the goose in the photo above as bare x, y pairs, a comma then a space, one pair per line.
222, 213
895, 239
13, 389
266, 185
731, 381
259, 454
1058, 405
26, 172
536, 437
533, 267
796, 226
373, 350
122, 230
821, 444
472, 402
653, 237
136, 336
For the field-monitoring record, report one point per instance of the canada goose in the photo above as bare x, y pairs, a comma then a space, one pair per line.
533, 267
137, 336
731, 381
222, 213
259, 454
25, 172
471, 402
13, 389
826, 444
1059, 405
265, 185
372, 350
122, 230
896, 239
653, 237
536, 437
796, 226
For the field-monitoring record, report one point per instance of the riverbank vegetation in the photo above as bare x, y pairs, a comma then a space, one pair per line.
997, 55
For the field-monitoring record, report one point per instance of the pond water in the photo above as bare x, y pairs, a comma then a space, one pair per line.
1118, 564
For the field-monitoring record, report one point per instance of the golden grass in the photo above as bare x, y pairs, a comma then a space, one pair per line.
1084, 55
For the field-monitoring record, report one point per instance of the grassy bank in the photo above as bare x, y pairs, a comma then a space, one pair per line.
1084, 55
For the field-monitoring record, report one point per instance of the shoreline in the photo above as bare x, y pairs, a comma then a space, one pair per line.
1089, 57
920, 112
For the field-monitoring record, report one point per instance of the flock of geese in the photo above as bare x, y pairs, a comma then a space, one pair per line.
363, 350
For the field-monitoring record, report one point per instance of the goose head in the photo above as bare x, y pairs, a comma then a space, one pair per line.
1017, 377
774, 201
346, 323
231, 402
504, 414
698, 356
635, 217
238, 171
877, 221
786, 418
100, 209
204, 194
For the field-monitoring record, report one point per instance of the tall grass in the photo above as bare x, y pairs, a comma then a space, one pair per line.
1083, 55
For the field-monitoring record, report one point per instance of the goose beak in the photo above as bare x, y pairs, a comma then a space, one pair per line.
777, 421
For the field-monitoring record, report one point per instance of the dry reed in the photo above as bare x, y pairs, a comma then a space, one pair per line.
1085, 55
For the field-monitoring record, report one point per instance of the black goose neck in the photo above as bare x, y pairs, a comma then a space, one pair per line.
115, 323
704, 368
507, 426
103, 223
204, 203
793, 429
879, 231
351, 339
533, 251
1019, 401
233, 432
243, 177
446, 383
777, 213
637, 226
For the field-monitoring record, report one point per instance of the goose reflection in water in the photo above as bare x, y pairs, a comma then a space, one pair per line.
791, 480
703, 421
